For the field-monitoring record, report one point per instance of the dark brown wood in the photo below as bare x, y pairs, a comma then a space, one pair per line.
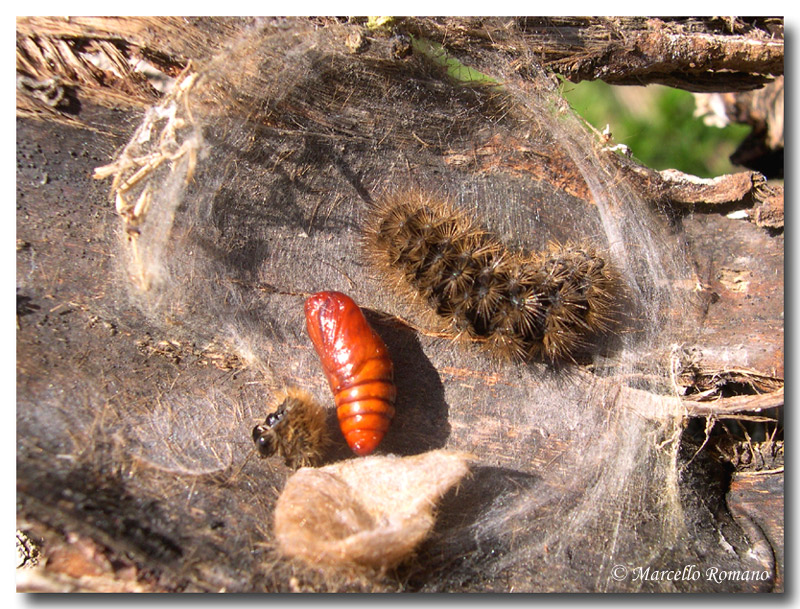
763, 110
699, 54
757, 501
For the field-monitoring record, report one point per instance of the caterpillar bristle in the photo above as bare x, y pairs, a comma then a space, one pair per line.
548, 305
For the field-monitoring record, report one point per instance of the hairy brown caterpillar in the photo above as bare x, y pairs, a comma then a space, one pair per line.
547, 305
297, 430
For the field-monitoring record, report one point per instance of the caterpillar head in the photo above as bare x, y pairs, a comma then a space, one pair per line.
265, 435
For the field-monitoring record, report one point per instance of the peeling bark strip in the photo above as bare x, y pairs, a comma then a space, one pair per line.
697, 54
746, 189
118, 62
685, 188
734, 404
662, 50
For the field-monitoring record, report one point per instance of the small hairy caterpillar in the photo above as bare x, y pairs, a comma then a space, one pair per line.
357, 364
296, 430
522, 305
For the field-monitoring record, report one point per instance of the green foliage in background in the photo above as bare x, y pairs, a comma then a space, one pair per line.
656, 123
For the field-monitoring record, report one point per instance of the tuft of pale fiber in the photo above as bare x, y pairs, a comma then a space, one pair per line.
369, 512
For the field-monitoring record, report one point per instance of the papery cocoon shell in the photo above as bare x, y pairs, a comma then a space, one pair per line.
370, 512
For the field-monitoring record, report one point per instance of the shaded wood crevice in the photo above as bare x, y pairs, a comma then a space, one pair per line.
707, 390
